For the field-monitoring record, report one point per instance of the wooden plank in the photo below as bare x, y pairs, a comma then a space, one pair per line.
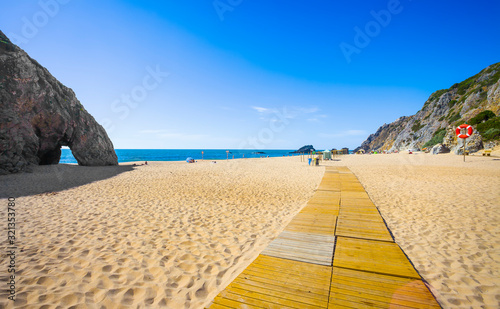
359, 210
285, 243
400, 293
319, 281
356, 202
218, 306
230, 303
360, 216
299, 250
368, 229
311, 237
372, 256
295, 270
289, 282
284, 297
304, 258
358, 289
385, 301
327, 194
311, 230
291, 266
288, 250
259, 300
302, 292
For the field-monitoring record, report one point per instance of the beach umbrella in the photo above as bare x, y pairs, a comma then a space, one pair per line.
189, 160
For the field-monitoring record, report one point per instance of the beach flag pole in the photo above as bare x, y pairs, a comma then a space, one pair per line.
465, 140
227, 154
202, 156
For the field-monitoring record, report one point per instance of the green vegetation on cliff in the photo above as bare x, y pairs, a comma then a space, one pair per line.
437, 138
482, 116
490, 129
476, 100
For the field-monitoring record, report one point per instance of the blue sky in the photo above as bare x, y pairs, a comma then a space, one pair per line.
253, 74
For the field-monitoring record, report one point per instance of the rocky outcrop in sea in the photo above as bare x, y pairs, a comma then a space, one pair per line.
38, 115
305, 149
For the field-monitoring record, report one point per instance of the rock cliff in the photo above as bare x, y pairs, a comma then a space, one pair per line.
445, 109
38, 115
305, 149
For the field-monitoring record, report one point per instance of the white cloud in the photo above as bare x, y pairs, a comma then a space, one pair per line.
294, 112
261, 109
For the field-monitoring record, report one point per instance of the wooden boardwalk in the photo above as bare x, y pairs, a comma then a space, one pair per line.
336, 253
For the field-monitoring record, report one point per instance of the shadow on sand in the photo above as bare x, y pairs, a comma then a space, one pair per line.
54, 178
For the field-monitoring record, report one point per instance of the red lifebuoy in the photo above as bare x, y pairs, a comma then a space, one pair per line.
468, 131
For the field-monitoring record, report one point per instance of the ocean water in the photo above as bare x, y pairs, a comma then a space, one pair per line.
130, 155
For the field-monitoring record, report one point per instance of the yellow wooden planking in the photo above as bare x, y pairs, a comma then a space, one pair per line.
282, 277
276, 283
312, 248
280, 269
318, 231
277, 294
372, 256
368, 209
322, 288
329, 194
321, 208
325, 200
219, 306
369, 270
328, 187
354, 195
358, 289
353, 202
374, 230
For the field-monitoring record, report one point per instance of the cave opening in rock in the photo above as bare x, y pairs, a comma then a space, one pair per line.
51, 156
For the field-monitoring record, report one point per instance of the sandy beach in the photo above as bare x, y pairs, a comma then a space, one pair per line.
169, 234
445, 215
172, 234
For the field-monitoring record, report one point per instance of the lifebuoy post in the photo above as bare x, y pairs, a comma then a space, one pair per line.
464, 131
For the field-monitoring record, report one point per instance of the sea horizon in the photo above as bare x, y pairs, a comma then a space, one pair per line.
133, 155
